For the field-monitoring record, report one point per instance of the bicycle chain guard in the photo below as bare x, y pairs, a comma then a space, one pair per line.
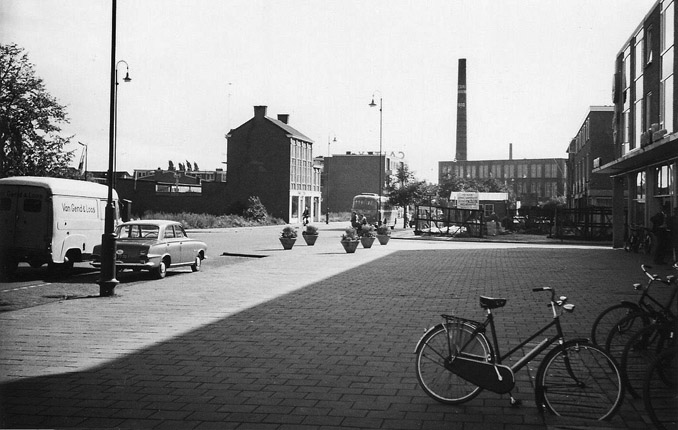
493, 377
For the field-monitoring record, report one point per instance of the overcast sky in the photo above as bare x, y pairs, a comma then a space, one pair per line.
199, 66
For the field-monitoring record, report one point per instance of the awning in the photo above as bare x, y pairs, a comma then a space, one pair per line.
659, 152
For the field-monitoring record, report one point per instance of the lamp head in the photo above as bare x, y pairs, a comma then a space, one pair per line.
372, 103
127, 78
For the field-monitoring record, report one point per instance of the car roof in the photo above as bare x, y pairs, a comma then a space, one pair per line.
156, 222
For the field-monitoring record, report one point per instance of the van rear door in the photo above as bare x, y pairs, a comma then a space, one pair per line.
33, 219
8, 204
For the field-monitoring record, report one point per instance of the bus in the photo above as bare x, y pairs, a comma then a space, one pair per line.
368, 204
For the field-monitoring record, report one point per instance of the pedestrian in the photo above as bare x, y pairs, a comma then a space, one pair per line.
305, 215
661, 233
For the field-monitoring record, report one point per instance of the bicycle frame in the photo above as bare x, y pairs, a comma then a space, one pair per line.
481, 327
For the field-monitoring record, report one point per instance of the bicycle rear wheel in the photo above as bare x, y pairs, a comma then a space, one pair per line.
436, 350
578, 379
641, 350
660, 390
607, 319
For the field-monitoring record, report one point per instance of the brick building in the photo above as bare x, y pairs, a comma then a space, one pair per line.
645, 169
592, 147
347, 175
270, 159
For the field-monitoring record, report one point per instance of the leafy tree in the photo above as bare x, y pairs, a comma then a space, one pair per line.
195, 167
170, 166
406, 190
30, 121
189, 168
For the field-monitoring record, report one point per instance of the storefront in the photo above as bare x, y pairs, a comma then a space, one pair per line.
644, 181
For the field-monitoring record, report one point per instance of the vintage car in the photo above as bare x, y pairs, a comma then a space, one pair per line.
154, 245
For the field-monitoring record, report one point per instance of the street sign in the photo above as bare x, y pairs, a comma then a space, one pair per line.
467, 201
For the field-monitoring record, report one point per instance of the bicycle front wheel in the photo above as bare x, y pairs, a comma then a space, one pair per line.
623, 331
641, 350
578, 379
436, 350
660, 390
606, 321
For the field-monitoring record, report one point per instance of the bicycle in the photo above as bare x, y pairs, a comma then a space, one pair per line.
641, 350
660, 390
609, 319
455, 362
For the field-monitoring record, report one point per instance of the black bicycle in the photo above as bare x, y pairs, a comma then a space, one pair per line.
455, 362
660, 390
609, 319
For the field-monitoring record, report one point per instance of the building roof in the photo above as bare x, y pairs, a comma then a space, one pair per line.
291, 131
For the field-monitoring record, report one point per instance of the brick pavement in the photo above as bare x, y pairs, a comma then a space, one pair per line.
309, 338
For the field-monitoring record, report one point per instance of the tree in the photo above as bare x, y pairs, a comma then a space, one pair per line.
29, 121
406, 190
170, 166
195, 167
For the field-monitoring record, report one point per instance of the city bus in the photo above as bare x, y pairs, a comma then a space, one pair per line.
368, 204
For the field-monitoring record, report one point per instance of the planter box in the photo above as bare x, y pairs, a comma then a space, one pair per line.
287, 242
310, 239
383, 238
367, 241
350, 246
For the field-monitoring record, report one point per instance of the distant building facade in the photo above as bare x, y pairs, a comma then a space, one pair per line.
532, 181
645, 169
347, 175
270, 159
592, 147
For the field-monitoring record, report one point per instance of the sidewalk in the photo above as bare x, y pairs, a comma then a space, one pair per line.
308, 338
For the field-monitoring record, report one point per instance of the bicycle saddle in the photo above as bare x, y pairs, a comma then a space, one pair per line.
491, 303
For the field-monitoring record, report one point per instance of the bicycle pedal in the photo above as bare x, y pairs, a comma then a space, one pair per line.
515, 402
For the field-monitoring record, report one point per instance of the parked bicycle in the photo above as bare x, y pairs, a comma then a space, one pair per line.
638, 238
610, 318
660, 390
642, 348
455, 362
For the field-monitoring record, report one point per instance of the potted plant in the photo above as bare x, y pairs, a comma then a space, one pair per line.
383, 234
288, 237
367, 235
310, 235
350, 240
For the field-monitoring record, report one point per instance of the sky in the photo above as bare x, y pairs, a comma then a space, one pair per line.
198, 67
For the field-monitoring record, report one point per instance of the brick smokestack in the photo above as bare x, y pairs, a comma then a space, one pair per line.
461, 111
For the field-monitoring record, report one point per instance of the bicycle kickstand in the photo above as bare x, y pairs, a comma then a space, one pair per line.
514, 402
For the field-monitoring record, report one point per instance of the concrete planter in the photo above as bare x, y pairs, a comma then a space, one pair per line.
350, 245
310, 239
383, 238
287, 242
367, 241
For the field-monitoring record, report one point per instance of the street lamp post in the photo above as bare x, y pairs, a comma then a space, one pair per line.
327, 177
108, 282
381, 164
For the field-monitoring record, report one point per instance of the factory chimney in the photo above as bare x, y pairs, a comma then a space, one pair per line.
461, 111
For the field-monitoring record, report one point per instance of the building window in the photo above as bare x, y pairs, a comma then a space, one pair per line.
667, 67
664, 176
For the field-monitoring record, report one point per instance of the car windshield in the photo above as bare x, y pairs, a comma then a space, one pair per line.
135, 231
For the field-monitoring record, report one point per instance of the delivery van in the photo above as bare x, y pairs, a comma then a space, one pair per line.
50, 221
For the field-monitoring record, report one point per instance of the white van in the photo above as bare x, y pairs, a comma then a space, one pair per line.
50, 220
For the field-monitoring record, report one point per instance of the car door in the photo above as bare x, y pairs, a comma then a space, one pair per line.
173, 245
187, 255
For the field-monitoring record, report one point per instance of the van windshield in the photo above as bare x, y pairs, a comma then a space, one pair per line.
136, 231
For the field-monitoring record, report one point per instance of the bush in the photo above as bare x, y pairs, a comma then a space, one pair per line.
193, 220
255, 211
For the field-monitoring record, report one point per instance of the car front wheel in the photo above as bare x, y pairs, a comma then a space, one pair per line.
195, 267
160, 271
